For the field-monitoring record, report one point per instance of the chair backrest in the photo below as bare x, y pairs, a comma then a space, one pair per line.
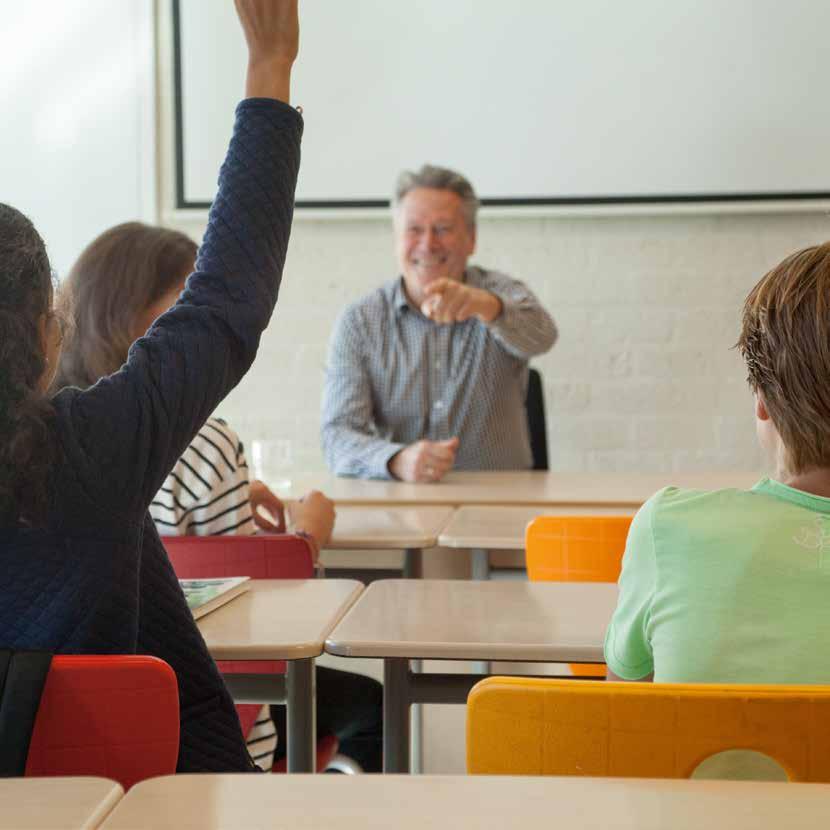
114, 716
526, 726
535, 408
272, 556
575, 548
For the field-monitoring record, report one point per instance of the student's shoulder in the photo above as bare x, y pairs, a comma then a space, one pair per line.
216, 430
672, 501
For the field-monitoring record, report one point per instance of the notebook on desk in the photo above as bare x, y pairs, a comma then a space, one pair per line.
206, 595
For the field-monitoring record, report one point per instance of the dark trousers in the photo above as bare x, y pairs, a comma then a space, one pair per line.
349, 706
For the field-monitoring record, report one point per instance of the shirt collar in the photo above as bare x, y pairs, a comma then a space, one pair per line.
770, 486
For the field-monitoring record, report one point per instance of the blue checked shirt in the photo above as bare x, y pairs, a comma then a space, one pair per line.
394, 377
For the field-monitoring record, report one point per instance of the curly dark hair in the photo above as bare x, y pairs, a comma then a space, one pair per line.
27, 445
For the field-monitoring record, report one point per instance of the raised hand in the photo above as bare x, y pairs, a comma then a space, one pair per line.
272, 32
424, 461
451, 301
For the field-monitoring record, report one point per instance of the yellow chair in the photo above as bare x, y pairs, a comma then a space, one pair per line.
576, 549
528, 726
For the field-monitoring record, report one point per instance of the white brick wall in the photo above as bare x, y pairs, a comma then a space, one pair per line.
643, 378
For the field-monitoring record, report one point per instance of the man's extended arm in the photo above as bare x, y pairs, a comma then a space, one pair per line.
506, 306
347, 428
524, 328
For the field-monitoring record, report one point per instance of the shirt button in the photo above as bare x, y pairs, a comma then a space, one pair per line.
438, 365
439, 405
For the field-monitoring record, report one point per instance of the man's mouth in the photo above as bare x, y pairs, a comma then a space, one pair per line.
429, 262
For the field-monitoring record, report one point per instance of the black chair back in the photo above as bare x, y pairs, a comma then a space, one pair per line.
535, 406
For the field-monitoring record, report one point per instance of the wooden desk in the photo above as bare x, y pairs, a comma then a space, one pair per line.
503, 528
397, 527
408, 528
518, 488
210, 802
281, 619
47, 803
401, 620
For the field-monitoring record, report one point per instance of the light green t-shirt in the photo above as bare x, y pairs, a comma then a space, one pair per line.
730, 586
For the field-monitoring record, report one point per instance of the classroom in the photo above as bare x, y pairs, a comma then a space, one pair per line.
518, 498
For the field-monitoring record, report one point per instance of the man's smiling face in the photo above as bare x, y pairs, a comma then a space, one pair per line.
432, 238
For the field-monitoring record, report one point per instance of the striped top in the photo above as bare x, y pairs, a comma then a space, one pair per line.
395, 377
207, 493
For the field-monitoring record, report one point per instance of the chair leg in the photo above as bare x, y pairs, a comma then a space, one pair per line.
344, 764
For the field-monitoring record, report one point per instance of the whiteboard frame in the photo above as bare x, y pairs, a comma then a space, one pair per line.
185, 209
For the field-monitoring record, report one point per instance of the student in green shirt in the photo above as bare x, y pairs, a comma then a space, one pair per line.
733, 586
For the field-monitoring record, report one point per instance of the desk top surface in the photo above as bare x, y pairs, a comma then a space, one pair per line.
517, 488
415, 802
503, 528
46, 803
278, 619
397, 527
459, 620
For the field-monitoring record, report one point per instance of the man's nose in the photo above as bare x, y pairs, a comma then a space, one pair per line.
430, 238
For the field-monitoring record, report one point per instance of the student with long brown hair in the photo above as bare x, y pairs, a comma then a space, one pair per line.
83, 568
122, 281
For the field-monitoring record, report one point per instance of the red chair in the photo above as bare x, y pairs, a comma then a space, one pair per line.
114, 716
273, 556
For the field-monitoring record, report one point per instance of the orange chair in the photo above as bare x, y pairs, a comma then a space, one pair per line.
576, 549
273, 556
115, 716
530, 726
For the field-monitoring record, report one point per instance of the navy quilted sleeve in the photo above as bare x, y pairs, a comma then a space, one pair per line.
125, 434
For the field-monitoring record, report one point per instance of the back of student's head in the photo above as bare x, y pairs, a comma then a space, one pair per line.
785, 341
118, 277
25, 305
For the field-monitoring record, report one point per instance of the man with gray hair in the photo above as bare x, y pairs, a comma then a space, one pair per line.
429, 371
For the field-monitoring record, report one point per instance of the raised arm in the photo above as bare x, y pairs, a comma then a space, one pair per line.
135, 424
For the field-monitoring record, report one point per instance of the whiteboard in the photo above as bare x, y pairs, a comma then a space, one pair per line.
78, 135
536, 101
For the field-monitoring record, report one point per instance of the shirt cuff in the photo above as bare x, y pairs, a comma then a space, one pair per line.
506, 322
379, 467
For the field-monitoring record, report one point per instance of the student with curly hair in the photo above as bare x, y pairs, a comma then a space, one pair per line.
83, 568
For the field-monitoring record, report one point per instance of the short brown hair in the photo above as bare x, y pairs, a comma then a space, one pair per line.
117, 277
785, 341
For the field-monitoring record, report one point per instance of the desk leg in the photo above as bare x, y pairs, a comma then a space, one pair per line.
480, 561
413, 568
413, 563
416, 739
301, 703
395, 714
